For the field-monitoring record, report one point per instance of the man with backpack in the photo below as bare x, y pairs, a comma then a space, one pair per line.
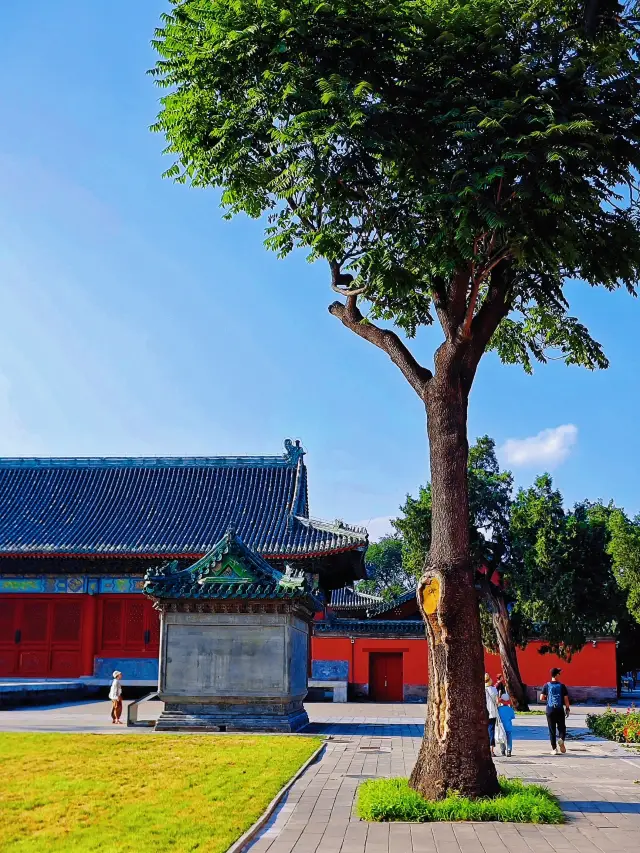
556, 697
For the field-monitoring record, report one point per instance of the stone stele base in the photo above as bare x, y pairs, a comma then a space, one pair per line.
242, 717
226, 671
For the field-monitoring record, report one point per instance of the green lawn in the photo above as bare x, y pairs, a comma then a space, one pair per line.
138, 793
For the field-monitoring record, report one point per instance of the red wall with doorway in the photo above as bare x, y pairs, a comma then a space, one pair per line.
594, 666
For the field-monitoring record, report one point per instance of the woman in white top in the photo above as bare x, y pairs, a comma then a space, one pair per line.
115, 694
491, 695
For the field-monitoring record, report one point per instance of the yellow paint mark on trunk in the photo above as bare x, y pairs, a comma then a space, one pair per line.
431, 596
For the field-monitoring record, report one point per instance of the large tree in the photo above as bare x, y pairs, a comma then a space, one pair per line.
452, 162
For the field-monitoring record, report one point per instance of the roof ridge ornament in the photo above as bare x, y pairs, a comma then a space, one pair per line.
293, 451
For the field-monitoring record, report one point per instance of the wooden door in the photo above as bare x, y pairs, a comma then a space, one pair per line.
129, 627
66, 638
386, 677
40, 636
8, 635
33, 638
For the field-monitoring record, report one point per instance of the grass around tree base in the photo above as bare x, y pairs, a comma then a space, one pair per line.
394, 800
139, 793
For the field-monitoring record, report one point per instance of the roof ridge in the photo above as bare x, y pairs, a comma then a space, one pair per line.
293, 453
337, 524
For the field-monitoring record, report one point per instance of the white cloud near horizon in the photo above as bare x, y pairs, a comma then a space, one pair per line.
549, 447
378, 527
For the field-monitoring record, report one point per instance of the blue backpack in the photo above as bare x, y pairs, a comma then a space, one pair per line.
553, 689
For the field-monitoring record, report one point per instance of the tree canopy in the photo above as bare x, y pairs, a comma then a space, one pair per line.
417, 141
561, 572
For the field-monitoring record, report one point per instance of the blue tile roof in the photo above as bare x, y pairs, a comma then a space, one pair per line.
163, 506
348, 598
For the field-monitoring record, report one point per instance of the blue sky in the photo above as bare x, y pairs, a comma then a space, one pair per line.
136, 321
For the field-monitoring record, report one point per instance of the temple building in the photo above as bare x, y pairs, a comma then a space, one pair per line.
77, 536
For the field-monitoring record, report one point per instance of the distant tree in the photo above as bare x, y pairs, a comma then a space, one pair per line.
450, 161
560, 570
624, 549
386, 573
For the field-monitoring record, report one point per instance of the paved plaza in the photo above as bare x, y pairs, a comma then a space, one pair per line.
597, 782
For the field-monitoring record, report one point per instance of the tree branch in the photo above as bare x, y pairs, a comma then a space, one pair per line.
493, 310
350, 316
305, 220
458, 297
475, 289
355, 292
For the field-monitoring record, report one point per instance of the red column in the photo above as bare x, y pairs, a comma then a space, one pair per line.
89, 633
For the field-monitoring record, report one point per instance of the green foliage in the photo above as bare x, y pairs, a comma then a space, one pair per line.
413, 140
623, 727
394, 800
386, 573
624, 549
560, 570
489, 506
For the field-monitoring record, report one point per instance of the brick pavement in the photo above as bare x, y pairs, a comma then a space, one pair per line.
594, 781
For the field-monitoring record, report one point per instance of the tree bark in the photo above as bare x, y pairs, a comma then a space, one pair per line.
455, 754
508, 654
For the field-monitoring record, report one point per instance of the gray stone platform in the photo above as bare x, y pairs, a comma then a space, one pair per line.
19, 692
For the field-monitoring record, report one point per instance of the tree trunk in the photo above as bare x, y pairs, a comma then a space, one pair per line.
508, 654
455, 754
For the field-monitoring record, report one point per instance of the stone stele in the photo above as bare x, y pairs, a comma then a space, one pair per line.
234, 642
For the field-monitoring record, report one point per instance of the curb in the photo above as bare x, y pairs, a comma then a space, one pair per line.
239, 845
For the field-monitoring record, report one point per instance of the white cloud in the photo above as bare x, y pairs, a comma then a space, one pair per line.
378, 527
549, 447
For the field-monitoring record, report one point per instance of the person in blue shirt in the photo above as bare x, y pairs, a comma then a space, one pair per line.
507, 716
556, 698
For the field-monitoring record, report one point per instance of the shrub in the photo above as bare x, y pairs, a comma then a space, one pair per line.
623, 727
393, 799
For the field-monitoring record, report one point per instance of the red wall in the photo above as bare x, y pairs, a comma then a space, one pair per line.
592, 667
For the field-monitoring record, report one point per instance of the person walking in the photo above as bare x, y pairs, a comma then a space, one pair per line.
556, 698
115, 694
506, 715
491, 696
